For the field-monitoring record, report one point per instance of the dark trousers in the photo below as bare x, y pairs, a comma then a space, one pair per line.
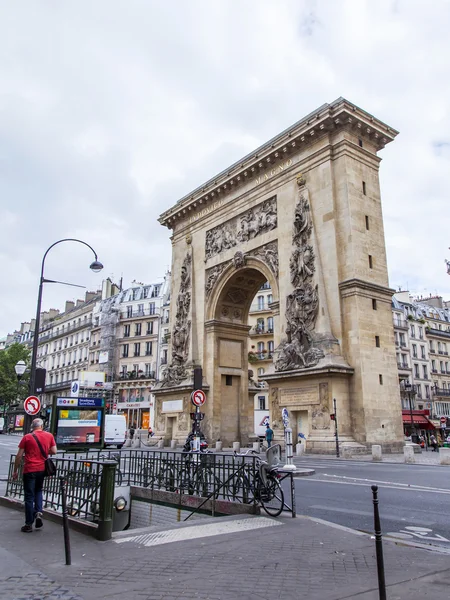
32, 487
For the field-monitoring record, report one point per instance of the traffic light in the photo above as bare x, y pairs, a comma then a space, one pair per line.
332, 416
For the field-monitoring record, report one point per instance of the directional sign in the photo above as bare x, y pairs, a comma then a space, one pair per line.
285, 417
32, 405
198, 397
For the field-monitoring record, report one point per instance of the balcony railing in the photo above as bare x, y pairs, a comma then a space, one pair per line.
440, 392
133, 376
255, 356
437, 332
401, 323
135, 314
52, 334
403, 366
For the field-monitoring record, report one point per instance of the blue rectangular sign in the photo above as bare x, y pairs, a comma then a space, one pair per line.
79, 402
90, 402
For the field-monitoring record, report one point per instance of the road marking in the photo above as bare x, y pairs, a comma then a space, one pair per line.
199, 531
362, 513
392, 487
419, 532
406, 485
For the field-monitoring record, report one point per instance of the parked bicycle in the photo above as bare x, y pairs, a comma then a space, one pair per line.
265, 489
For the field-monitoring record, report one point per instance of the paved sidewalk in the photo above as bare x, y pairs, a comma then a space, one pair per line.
222, 559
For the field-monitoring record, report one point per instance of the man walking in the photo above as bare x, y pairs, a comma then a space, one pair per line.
269, 435
34, 471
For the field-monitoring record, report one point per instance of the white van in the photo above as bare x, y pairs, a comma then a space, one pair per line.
115, 430
2, 424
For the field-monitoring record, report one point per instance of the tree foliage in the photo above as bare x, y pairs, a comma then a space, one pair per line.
11, 391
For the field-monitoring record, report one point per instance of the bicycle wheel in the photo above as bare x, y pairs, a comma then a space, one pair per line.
238, 490
207, 482
272, 498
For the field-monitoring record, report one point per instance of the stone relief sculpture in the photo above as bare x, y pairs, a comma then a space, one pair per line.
176, 371
269, 254
212, 275
239, 260
253, 222
302, 305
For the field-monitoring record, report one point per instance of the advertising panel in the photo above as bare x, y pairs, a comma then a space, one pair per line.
79, 421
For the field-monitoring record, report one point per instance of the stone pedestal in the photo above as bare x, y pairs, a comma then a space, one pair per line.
444, 456
408, 451
376, 453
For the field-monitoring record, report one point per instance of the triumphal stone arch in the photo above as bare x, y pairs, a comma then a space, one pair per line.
302, 212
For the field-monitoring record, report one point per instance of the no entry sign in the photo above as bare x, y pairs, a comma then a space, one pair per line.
32, 405
198, 397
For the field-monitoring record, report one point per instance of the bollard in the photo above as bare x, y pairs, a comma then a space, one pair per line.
106, 501
300, 449
161, 443
236, 446
289, 466
444, 456
376, 453
409, 454
378, 545
173, 444
62, 485
256, 447
219, 446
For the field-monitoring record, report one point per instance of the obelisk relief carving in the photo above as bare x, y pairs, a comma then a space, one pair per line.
298, 350
176, 371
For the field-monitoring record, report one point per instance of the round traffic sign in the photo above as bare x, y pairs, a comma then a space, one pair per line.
198, 397
32, 405
443, 419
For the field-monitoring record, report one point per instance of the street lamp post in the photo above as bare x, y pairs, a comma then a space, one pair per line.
95, 266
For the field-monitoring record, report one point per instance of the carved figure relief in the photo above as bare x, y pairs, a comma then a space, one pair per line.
212, 275
269, 254
239, 260
297, 351
321, 417
182, 422
253, 222
176, 372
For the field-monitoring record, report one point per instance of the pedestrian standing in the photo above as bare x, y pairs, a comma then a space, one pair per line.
132, 430
150, 432
433, 442
269, 435
34, 448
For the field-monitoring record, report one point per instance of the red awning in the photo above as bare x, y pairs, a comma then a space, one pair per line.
420, 420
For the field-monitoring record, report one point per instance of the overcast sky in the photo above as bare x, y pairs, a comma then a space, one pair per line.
111, 110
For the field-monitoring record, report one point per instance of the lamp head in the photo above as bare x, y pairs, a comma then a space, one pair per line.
96, 266
20, 368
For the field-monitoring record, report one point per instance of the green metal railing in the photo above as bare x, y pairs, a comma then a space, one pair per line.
89, 486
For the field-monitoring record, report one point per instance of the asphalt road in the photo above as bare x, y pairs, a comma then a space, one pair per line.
414, 500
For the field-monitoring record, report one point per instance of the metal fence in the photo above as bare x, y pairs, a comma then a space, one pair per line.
83, 479
220, 476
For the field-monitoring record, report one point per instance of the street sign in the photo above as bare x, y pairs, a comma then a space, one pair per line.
74, 389
285, 417
444, 420
32, 405
198, 397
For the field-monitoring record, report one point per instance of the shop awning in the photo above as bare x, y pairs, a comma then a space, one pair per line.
420, 420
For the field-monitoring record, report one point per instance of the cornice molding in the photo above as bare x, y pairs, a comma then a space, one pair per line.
340, 114
352, 287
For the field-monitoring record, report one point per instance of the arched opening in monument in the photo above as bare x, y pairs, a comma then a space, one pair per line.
242, 332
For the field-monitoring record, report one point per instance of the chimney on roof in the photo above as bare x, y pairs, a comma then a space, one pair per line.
80, 302
69, 305
89, 296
